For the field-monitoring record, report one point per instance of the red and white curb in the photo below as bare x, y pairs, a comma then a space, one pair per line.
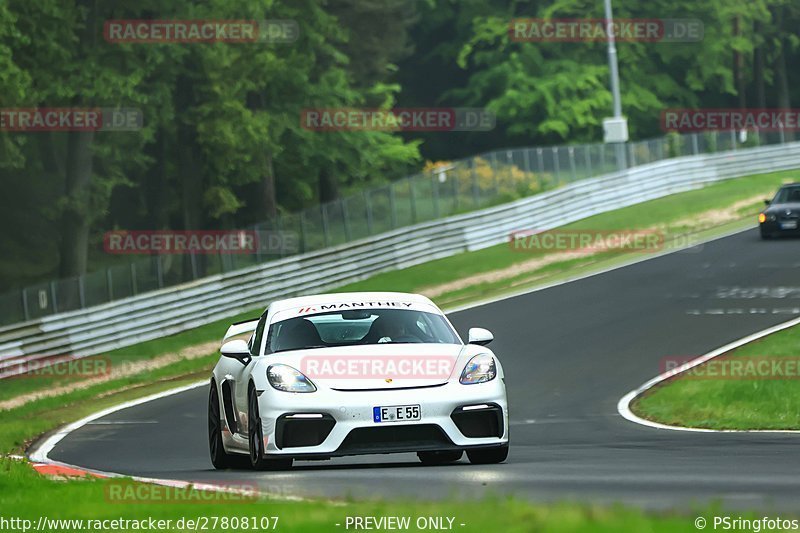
56, 470
624, 405
39, 454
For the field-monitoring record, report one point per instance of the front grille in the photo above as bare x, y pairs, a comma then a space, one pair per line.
389, 439
299, 432
487, 422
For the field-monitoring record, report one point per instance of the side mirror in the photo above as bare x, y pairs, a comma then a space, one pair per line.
767, 202
236, 349
480, 336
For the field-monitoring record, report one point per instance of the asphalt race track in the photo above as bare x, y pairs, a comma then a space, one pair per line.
570, 352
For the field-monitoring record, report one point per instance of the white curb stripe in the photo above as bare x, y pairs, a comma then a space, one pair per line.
624, 405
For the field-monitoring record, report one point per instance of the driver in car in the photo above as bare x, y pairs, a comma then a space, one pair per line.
389, 330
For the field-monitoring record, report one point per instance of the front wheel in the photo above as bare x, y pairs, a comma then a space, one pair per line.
219, 457
487, 456
255, 436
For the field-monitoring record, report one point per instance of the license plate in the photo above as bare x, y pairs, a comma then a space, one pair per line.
789, 225
396, 413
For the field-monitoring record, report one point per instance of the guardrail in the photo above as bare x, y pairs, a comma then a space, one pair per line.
443, 190
165, 312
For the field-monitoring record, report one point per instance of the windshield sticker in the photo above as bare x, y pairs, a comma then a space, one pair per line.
352, 305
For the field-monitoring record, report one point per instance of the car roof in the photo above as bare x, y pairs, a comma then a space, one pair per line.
347, 297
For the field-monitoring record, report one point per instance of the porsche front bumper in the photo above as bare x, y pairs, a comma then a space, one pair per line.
329, 423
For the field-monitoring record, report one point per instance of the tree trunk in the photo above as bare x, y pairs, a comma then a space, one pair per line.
738, 68
75, 219
190, 177
328, 186
51, 161
781, 78
758, 69
784, 100
157, 185
269, 202
191, 190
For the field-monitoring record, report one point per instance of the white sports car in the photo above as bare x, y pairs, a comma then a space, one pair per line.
355, 373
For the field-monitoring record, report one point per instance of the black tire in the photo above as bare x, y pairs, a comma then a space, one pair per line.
439, 458
219, 457
765, 236
255, 437
488, 456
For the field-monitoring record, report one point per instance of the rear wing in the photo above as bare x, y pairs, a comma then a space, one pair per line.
248, 326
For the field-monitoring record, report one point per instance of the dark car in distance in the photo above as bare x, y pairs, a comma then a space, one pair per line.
782, 214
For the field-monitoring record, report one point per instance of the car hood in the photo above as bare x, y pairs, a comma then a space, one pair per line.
376, 366
794, 207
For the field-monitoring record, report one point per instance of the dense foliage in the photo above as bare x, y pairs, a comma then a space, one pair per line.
222, 144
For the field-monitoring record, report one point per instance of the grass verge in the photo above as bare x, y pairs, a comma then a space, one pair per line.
751, 387
22, 490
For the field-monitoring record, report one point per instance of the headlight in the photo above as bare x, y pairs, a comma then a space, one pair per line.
764, 217
287, 379
480, 369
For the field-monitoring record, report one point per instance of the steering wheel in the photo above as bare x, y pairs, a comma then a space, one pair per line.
407, 338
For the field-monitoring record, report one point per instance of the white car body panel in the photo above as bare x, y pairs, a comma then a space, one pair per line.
350, 402
240, 328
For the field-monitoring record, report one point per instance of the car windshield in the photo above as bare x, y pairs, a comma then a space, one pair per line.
787, 195
365, 326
